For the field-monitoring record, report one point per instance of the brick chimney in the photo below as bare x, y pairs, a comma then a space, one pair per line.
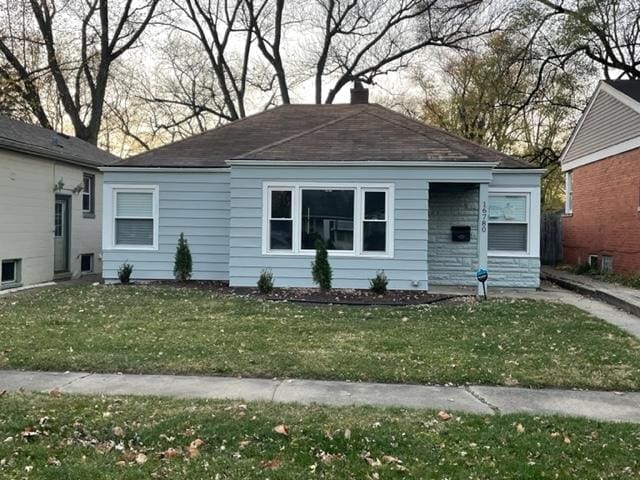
359, 94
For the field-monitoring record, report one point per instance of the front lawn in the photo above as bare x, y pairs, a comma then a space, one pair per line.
188, 331
134, 438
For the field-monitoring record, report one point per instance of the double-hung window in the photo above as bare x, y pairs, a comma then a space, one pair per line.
348, 219
280, 220
88, 194
374, 222
509, 222
135, 217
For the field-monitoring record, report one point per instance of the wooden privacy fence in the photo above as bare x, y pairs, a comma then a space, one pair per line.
551, 238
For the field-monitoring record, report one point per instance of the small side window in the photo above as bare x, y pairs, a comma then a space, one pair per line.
88, 194
568, 203
10, 273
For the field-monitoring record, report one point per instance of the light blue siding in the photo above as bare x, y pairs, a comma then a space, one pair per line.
196, 203
453, 263
408, 264
221, 216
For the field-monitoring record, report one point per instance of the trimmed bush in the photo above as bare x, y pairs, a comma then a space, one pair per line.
183, 263
320, 268
378, 284
124, 272
265, 282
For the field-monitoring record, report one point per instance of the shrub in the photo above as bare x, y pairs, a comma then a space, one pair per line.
378, 284
124, 272
320, 268
183, 263
265, 282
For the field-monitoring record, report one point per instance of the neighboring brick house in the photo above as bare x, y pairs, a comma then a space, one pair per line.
601, 163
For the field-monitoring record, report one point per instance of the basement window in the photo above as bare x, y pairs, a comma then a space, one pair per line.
10, 273
86, 263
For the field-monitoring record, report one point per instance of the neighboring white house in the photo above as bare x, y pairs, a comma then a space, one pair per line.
50, 205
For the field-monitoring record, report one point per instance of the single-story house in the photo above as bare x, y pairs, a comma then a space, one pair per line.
383, 191
50, 205
601, 163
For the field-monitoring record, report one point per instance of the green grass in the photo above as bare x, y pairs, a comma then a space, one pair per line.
88, 438
187, 331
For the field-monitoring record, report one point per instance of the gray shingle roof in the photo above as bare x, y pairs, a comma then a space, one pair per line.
24, 137
322, 133
631, 88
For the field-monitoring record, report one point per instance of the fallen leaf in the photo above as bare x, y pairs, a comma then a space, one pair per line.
197, 443
244, 444
347, 434
3, 392
390, 459
443, 415
281, 429
272, 464
118, 432
29, 433
192, 452
55, 393
141, 459
53, 462
567, 439
519, 428
128, 456
169, 453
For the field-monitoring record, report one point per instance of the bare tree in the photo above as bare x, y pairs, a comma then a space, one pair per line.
605, 31
79, 62
368, 38
216, 26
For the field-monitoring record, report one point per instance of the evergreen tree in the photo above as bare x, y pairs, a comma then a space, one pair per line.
320, 268
183, 263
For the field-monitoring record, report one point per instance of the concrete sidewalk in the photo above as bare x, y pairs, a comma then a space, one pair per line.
625, 298
607, 406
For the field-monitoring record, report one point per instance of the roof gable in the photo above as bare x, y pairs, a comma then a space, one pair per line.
610, 124
24, 137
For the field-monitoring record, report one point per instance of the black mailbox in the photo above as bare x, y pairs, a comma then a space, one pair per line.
461, 234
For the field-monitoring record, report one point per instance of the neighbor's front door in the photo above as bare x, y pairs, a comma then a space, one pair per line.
61, 234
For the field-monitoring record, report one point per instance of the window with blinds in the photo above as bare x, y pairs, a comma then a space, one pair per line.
134, 219
508, 223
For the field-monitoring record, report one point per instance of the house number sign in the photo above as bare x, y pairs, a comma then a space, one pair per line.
483, 224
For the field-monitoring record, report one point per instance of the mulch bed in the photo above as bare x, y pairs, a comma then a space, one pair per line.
315, 296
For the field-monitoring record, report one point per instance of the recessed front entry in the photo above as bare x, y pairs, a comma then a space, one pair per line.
61, 222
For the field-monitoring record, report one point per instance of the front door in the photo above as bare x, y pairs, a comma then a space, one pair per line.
61, 234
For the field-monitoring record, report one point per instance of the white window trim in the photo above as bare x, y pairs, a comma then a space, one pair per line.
296, 201
532, 220
109, 231
568, 190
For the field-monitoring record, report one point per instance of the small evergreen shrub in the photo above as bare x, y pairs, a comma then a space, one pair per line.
265, 282
320, 268
378, 284
183, 263
124, 272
